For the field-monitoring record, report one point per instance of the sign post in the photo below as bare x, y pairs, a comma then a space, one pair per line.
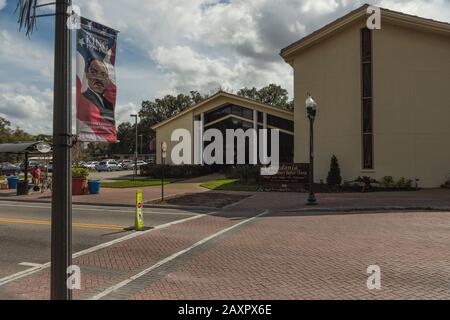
163, 160
139, 216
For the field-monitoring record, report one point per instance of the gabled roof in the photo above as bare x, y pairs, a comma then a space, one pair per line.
218, 95
386, 15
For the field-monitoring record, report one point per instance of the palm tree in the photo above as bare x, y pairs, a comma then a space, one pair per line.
27, 14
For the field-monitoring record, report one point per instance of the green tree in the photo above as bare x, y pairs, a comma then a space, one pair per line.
126, 137
5, 130
159, 110
45, 138
153, 112
272, 94
18, 135
334, 178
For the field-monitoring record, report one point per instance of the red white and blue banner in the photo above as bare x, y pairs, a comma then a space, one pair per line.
96, 82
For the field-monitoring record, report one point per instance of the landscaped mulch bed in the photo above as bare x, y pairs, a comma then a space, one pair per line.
213, 200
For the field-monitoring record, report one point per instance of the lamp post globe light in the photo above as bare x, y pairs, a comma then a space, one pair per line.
311, 111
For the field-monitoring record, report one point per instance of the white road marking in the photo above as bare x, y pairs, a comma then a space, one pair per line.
182, 213
33, 270
172, 257
30, 264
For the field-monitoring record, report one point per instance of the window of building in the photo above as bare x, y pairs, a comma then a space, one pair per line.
228, 110
367, 99
280, 123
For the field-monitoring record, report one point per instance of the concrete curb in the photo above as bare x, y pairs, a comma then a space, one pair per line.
121, 205
369, 209
205, 208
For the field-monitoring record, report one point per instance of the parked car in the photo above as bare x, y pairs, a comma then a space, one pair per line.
90, 165
108, 165
8, 169
127, 164
139, 164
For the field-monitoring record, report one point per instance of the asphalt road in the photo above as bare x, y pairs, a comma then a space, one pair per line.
25, 230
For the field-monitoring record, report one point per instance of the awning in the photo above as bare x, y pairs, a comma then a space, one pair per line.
38, 147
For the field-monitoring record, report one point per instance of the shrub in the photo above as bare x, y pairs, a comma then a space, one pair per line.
80, 173
404, 183
175, 172
334, 178
247, 174
367, 182
388, 182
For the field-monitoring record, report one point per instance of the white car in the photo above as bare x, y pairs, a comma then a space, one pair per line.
108, 165
90, 165
127, 164
140, 163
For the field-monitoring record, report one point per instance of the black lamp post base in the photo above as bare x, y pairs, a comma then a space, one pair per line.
312, 201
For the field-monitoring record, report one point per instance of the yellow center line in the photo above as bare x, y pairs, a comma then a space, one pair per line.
75, 224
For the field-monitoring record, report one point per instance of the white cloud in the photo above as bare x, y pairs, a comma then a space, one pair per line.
26, 107
181, 45
188, 70
22, 53
2, 4
123, 112
433, 9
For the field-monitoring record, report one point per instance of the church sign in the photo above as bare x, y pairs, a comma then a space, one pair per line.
290, 176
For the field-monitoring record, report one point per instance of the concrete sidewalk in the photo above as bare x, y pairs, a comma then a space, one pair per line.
429, 199
118, 197
433, 199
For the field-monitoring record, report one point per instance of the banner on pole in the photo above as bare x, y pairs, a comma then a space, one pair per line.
96, 82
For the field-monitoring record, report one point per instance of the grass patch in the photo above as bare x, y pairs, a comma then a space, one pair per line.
135, 184
229, 185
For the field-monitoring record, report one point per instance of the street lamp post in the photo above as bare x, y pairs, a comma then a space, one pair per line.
135, 116
140, 136
61, 227
311, 110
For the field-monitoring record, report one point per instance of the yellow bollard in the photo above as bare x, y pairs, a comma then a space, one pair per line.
139, 216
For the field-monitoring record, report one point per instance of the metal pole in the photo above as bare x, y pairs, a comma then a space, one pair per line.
61, 252
136, 149
162, 178
312, 197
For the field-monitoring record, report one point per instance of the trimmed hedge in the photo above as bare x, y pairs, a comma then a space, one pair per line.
176, 172
247, 174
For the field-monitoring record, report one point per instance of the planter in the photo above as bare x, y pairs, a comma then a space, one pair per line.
79, 186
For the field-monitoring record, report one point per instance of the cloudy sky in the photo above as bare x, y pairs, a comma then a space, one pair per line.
173, 46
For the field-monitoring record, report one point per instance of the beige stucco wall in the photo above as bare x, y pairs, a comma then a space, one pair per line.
186, 121
411, 72
164, 133
412, 104
330, 71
